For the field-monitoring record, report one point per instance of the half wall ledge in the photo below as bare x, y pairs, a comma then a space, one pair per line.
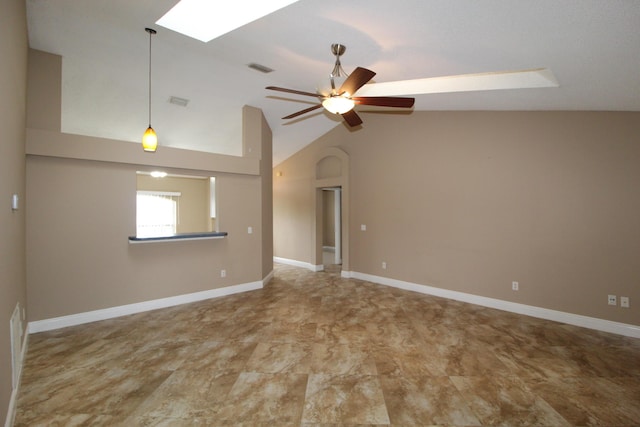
179, 237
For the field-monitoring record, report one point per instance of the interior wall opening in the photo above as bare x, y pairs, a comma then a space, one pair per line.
332, 226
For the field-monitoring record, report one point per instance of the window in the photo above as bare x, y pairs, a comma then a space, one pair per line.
156, 213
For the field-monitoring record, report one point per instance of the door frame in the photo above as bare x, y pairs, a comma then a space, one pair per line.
341, 181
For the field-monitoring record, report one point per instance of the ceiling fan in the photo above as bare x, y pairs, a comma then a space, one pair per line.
339, 97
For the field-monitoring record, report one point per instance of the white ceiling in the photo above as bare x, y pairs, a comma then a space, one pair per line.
592, 47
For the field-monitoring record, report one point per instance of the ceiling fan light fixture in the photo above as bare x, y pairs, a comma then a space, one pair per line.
337, 98
338, 104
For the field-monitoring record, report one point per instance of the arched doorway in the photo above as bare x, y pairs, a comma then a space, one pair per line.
332, 175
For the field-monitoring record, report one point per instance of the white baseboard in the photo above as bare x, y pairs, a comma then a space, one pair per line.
300, 264
124, 310
267, 278
513, 307
13, 400
11, 412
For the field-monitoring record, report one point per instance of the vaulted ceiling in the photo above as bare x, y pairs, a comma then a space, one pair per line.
592, 47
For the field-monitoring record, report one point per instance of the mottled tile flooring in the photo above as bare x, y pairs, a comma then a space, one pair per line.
314, 349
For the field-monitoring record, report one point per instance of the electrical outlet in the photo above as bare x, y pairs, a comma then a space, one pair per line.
223, 273
612, 300
624, 302
363, 227
384, 265
250, 230
515, 286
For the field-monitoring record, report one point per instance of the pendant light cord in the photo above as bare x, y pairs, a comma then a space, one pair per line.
151, 32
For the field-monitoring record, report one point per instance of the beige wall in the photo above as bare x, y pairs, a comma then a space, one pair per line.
13, 97
293, 211
45, 90
193, 203
266, 165
81, 197
471, 201
79, 258
257, 144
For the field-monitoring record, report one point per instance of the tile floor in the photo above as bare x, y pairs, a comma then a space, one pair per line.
313, 349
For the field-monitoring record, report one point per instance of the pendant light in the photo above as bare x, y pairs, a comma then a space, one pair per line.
150, 139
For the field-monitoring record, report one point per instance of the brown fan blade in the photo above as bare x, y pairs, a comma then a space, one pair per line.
385, 101
356, 80
301, 112
298, 92
352, 118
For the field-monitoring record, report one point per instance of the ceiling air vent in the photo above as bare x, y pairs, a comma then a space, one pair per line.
260, 67
180, 102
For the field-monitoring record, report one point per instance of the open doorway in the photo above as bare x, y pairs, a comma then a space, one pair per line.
332, 226
331, 185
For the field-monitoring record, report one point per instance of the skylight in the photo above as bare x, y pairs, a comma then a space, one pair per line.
205, 20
